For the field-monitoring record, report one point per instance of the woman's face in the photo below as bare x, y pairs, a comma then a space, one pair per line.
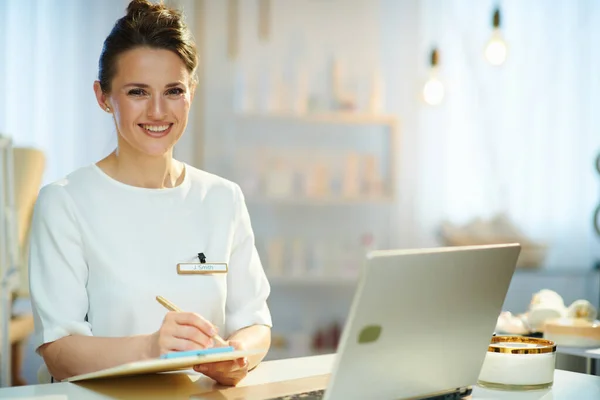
150, 99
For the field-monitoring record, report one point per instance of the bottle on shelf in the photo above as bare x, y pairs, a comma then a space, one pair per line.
351, 182
372, 181
279, 180
275, 256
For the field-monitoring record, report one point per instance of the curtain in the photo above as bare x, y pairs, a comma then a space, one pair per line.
49, 55
519, 139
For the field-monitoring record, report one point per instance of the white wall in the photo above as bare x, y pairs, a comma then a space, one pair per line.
402, 64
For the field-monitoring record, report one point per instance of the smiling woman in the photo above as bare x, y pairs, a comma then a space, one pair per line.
107, 239
149, 97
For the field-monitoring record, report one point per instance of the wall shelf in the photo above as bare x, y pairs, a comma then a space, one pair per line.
353, 118
316, 201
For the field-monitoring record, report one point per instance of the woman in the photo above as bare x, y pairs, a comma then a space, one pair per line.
107, 239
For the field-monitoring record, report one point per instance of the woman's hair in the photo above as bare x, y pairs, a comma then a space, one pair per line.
146, 25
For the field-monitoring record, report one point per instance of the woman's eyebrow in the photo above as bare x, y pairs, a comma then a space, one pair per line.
143, 85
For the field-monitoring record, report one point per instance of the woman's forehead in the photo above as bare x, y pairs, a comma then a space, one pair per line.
151, 66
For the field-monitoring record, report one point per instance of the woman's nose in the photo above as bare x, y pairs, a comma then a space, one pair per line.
157, 108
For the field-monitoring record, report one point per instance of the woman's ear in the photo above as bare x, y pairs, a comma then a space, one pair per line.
101, 97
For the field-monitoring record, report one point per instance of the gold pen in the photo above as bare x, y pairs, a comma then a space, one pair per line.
172, 307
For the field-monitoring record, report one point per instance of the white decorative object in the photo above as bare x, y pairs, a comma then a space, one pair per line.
545, 305
547, 298
511, 324
498, 229
582, 309
518, 363
575, 326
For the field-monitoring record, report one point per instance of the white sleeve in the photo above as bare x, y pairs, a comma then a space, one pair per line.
247, 285
58, 271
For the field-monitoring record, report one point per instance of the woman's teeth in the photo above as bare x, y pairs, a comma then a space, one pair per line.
155, 128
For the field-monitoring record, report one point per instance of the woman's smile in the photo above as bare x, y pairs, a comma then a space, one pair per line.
156, 130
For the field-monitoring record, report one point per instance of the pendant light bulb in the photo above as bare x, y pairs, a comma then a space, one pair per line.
433, 90
496, 49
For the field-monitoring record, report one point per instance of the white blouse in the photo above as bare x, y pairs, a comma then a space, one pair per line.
101, 251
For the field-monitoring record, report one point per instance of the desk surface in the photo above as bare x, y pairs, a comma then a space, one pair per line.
271, 378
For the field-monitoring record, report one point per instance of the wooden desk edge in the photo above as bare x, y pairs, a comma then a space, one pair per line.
268, 390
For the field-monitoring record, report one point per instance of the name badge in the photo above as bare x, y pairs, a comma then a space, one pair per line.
201, 268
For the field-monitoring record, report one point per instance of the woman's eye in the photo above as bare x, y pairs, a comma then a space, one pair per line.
136, 92
175, 92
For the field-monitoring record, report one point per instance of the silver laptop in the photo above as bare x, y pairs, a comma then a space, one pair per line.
420, 323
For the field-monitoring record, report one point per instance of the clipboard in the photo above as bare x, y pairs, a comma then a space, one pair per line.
168, 363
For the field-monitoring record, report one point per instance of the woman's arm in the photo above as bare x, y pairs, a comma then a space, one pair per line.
255, 337
78, 354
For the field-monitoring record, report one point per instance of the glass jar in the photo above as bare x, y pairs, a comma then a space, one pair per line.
518, 363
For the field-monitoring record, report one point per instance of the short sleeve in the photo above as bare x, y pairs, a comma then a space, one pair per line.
247, 284
58, 271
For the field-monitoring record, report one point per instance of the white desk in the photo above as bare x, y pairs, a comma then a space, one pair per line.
271, 378
589, 354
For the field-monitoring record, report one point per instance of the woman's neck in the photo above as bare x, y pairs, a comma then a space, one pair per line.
143, 171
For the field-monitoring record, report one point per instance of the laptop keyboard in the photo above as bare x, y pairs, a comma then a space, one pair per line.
318, 395
312, 395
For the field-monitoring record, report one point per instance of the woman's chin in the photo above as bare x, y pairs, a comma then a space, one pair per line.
155, 151
147, 147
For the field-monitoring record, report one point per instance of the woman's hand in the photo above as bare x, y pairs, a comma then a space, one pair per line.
228, 373
182, 331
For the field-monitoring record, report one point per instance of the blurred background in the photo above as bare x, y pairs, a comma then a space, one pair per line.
350, 125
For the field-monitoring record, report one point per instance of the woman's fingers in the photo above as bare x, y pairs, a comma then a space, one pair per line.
194, 335
231, 380
220, 367
224, 367
192, 319
228, 373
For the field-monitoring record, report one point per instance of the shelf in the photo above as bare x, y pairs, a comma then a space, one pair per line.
307, 201
352, 118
